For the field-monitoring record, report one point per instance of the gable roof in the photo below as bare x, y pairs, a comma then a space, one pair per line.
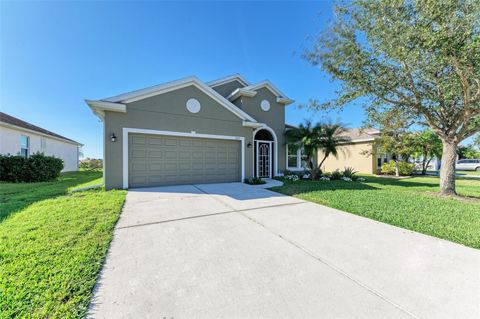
13, 121
227, 79
250, 90
117, 103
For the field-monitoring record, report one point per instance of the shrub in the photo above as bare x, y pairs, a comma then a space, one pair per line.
36, 168
292, 177
298, 173
91, 164
404, 168
255, 181
335, 175
350, 173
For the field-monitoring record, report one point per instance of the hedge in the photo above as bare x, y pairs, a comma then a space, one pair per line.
404, 168
35, 168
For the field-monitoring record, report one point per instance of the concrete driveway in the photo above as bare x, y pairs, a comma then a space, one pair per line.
237, 251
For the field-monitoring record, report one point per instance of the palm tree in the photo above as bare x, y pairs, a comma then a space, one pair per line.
331, 140
313, 138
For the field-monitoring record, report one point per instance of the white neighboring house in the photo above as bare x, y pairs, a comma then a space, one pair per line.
18, 137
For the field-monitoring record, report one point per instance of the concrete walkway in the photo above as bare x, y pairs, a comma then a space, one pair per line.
236, 251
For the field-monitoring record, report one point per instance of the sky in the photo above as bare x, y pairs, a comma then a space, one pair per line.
54, 55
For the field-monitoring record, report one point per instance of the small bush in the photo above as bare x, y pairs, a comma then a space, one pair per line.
254, 181
292, 177
91, 164
36, 168
336, 175
300, 173
350, 173
404, 168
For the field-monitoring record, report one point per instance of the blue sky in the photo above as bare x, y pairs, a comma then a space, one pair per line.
56, 54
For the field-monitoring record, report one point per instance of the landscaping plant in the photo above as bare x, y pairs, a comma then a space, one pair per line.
35, 168
336, 175
398, 168
350, 172
255, 181
426, 145
418, 57
91, 164
325, 138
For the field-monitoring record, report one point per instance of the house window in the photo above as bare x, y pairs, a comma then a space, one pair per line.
292, 158
297, 159
24, 145
43, 144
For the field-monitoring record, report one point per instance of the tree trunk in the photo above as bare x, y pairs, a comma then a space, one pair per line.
447, 170
323, 160
424, 170
312, 170
424, 166
397, 172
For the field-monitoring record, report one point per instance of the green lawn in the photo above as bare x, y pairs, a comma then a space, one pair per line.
468, 173
52, 245
408, 203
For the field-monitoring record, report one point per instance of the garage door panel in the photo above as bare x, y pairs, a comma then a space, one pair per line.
138, 139
167, 160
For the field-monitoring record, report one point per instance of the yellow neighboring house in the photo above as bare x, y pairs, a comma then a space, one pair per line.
361, 153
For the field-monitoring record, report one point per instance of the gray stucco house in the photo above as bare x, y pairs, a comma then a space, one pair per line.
188, 131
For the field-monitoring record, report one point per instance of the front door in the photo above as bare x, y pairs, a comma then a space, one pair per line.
264, 162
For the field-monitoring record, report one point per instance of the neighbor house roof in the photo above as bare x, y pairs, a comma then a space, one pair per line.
361, 134
13, 121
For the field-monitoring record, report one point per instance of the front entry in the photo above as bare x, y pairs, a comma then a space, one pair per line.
264, 159
264, 150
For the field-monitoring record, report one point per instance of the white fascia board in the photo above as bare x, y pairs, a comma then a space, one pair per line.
150, 91
175, 85
227, 79
240, 92
99, 107
253, 124
283, 100
267, 84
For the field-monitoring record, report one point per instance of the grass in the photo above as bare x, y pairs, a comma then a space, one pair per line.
468, 173
52, 245
408, 203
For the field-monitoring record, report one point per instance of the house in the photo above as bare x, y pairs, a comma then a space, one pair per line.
361, 152
18, 137
188, 131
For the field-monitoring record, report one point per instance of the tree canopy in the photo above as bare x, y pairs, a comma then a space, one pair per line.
421, 57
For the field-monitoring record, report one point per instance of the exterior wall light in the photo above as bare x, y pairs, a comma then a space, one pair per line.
249, 144
113, 138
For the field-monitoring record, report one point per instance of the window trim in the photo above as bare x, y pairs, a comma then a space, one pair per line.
27, 146
299, 160
43, 144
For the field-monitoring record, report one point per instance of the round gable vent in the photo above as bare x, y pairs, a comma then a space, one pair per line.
193, 106
265, 105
